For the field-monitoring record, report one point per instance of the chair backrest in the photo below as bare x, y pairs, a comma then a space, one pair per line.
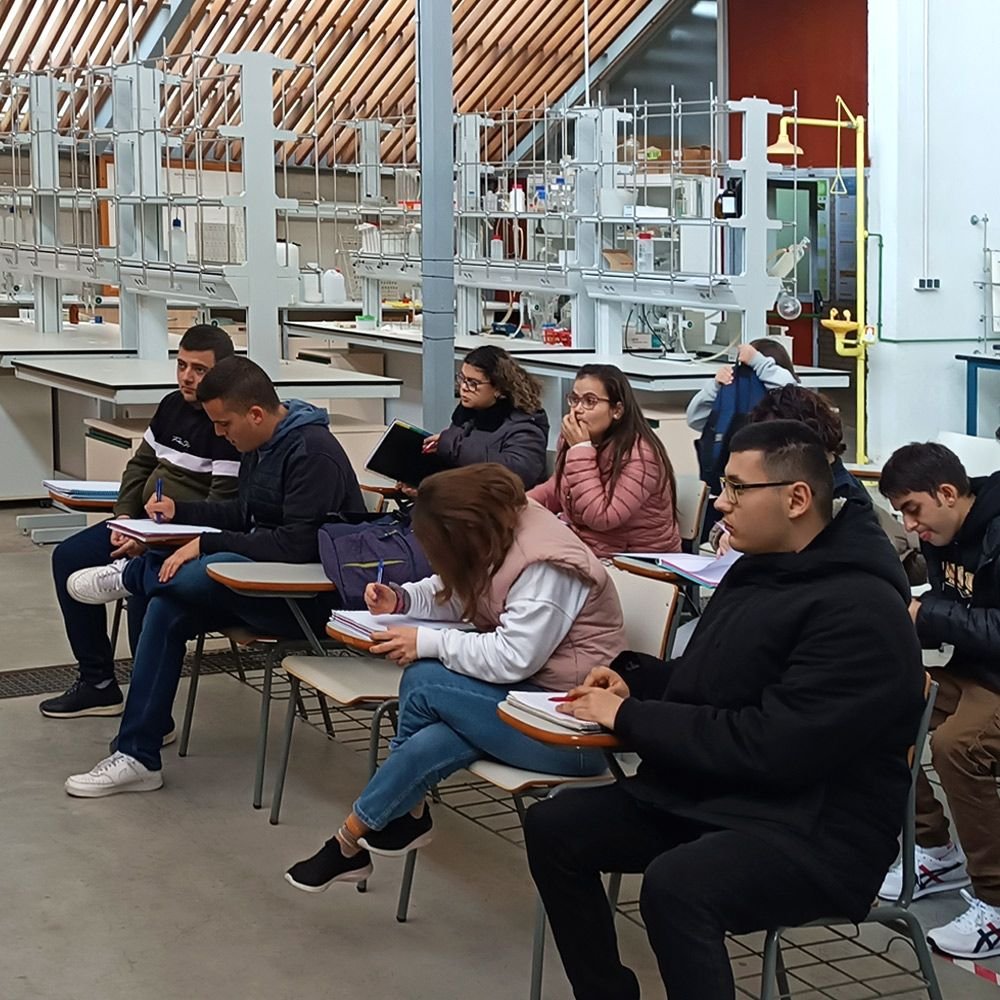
910, 819
979, 455
692, 506
651, 609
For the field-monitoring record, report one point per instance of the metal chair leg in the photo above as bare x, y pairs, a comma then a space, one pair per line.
116, 624
265, 718
614, 888
915, 932
235, 647
324, 709
538, 952
199, 649
769, 968
279, 781
406, 885
375, 735
780, 973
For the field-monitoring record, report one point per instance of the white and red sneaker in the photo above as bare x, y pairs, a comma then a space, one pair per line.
973, 934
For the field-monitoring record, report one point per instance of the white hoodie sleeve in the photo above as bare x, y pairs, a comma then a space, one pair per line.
542, 604
422, 597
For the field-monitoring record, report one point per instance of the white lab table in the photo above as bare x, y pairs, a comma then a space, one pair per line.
124, 381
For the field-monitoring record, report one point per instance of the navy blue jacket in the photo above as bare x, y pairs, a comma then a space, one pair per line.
288, 487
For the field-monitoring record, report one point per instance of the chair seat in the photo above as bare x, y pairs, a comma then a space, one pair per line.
516, 779
348, 680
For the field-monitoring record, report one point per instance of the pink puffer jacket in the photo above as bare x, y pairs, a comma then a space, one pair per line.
637, 518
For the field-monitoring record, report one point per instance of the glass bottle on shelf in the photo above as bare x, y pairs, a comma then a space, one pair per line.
729, 201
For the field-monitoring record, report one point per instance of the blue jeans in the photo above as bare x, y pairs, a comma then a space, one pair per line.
446, 721
87, 624
182, 608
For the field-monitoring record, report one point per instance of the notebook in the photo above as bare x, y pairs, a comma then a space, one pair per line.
707, 571
82, 489
399, 455
145, 530
543, 704
363, 624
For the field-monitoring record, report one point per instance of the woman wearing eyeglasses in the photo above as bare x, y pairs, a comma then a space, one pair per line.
613, 484
499, 418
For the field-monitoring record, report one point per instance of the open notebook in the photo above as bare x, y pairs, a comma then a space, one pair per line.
705, 570
146, 530
363, 624
544, 704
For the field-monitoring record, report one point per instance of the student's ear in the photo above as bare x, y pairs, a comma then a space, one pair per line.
947, 495
256, 414
800, 499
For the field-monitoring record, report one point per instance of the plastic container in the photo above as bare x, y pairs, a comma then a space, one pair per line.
287, 254
178, 243
334, 288
518, 200
496, 248
310, 284
644, 253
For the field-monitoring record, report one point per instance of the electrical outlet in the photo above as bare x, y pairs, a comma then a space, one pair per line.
927, 284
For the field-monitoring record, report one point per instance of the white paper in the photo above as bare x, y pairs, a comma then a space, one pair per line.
363, 624
707, 570
81, 487
544, 704
142, 528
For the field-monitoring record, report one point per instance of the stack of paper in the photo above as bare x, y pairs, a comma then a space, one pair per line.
544, 704
363, 624
707, 571
145, 530
82, 489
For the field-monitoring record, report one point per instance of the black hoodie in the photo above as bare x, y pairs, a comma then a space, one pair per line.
963, 604
791, 711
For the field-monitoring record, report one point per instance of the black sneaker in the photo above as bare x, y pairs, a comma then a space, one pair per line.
85, 699
402, 835
328, 865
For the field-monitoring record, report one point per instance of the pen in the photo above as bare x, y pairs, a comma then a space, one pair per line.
159, 497
562, 697
381, 567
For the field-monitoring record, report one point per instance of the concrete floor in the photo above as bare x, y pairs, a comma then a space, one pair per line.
178, 894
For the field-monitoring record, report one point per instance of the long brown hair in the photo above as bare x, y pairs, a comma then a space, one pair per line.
622, 435
770, 348
465, 520
523, 390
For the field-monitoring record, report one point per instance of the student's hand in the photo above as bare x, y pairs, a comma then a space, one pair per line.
724, 376
396, 644
125, 547
573, 431
173, 562
164, 507
725, 544
408, 491
380, 599
430, 445
598, 705
914, 610
602, 677
746, 354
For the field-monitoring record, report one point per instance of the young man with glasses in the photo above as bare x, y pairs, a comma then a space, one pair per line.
773, 775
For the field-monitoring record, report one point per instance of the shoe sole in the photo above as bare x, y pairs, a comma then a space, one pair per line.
73, 592
383, 852
356, 876
932, 889
972, 955
81, 792
105, 711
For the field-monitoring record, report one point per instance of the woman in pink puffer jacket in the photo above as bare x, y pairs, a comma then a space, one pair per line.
613, 484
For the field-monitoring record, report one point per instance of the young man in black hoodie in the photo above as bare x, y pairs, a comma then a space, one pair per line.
293, 474
958, 522
773, 774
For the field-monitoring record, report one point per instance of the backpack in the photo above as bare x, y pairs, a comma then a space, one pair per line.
350, 558
730, 410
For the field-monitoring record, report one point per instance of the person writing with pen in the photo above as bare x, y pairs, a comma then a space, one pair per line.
545, 613
773, 769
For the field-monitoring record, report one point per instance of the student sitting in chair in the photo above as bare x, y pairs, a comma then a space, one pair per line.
292, 474
773, 774
180, 448
499, 418
958, 522
545, 613
613, 484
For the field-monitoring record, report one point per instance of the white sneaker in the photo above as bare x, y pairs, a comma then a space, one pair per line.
114, 774
934, 874
973, 934
98, 584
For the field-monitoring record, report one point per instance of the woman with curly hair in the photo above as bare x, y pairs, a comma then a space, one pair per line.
499, 418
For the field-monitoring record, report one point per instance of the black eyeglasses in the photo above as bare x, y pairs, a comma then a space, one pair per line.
732, 491
472, 384
588, 400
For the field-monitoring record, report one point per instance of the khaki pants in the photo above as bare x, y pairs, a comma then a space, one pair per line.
965, 749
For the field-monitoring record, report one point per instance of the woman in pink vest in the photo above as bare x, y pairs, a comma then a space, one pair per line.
613, 484
545, 612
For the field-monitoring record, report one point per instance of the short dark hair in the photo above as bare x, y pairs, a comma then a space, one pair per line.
793, 402
203, 337
791, 450
923, 468
240, 383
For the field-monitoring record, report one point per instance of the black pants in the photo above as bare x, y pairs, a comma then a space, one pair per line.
698, 884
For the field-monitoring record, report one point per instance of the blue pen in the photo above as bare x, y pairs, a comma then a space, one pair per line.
381, 567
159, 497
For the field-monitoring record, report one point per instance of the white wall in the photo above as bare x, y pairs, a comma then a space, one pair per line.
918, 388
